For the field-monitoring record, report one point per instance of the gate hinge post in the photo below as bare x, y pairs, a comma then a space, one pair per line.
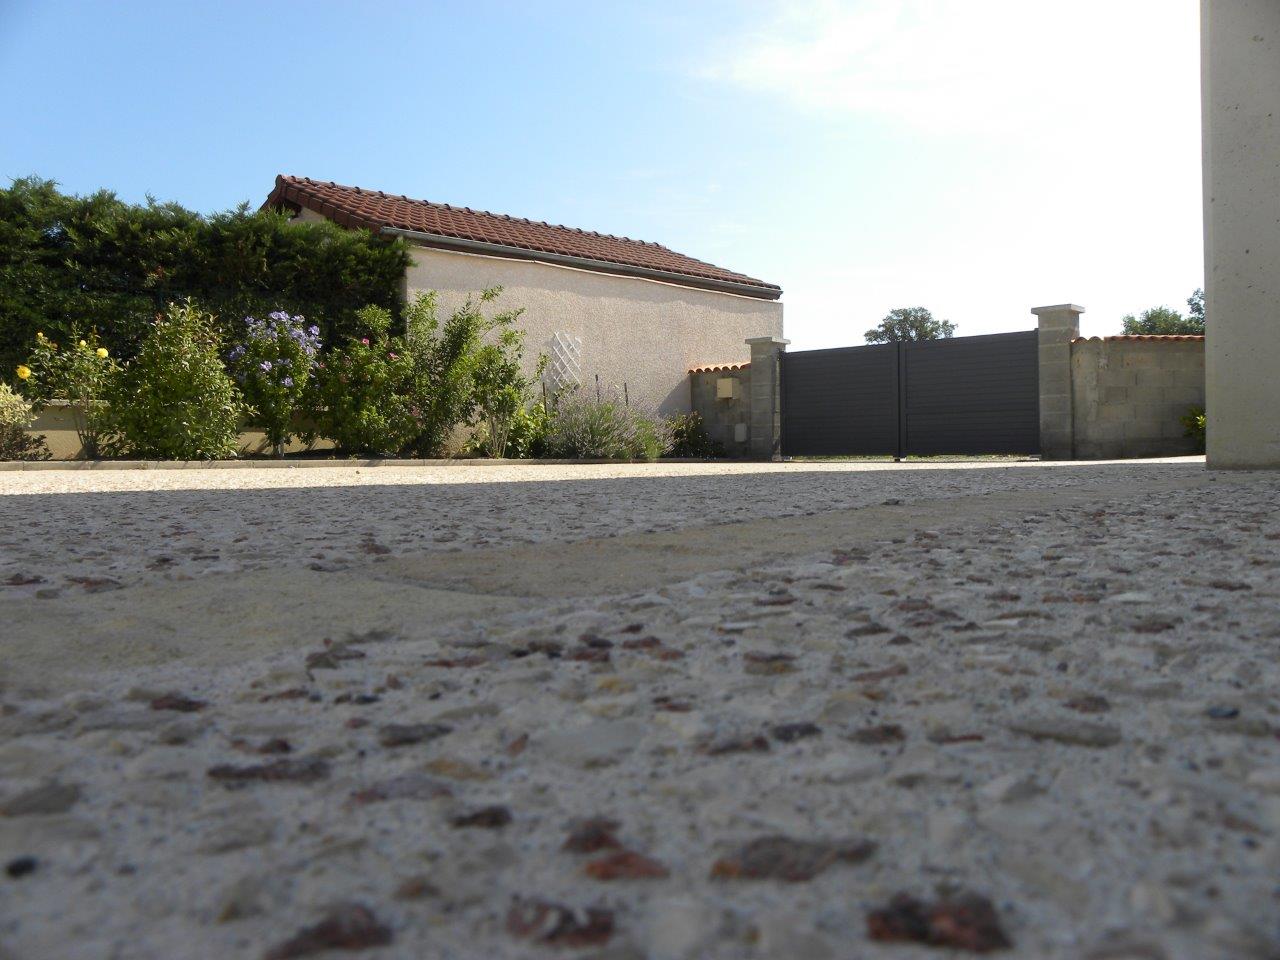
766, 396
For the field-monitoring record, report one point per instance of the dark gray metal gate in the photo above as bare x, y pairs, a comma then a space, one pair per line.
964, 395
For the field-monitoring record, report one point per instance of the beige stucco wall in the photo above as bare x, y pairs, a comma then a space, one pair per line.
643, 333
1128, 396
308, 216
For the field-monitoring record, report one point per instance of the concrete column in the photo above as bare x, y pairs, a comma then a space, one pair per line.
1059, 325
1240, 102
766, 396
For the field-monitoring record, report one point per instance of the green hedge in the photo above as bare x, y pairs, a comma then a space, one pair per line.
96, 261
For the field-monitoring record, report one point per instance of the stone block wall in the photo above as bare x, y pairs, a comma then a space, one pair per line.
1130, 393
727, 420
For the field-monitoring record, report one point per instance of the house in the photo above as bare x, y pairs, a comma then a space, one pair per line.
630, 312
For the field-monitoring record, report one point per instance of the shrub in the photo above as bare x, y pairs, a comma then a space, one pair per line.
529, 432
273, 366
605, 429
502, 389
97, 261
461, 367
15, 418
81, 374
358, 392
174, 400
1194, 426
689, 438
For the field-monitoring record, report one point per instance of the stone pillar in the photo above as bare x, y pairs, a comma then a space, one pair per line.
1240, 102
1058, 325
766, 396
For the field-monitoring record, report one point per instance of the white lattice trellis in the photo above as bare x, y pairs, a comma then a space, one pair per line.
564, 362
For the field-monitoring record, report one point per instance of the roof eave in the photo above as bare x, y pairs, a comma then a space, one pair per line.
463, 245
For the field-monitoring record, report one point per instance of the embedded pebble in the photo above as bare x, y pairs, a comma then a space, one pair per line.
350, 926
787, 858
44, 799
1079, 733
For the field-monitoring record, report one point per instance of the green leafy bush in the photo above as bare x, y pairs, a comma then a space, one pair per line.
461, 368
605, 429
502, 390
358, 394
529, 431
689, 438
15, 418
383, 394
1194, 426
174, 400
81, 372
273, 366
96, 261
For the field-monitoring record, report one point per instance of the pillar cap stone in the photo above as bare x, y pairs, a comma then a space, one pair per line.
781, 341
1058, 308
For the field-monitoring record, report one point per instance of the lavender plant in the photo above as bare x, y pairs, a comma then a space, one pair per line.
272, 366
606, 429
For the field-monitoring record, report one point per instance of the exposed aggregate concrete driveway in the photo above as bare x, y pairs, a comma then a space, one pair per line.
673, 711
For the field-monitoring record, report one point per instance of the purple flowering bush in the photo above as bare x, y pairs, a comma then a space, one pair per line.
272, 365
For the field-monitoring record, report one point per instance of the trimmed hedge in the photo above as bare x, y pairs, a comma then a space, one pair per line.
69, 262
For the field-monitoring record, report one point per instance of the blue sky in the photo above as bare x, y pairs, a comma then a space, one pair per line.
978, 157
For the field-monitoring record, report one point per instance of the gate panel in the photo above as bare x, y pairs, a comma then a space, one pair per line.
840, 402
973, 394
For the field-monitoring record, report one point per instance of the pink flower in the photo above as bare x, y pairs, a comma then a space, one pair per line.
365, 341
391, 356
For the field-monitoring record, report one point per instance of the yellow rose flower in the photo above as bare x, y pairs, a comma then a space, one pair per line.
39, 335
101, 352
83, 344
24, 372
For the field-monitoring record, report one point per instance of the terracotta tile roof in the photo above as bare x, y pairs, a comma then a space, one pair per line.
721, 368
375, 210
1145, 336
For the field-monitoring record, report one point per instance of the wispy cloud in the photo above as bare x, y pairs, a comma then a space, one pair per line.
946, 66
1048, 151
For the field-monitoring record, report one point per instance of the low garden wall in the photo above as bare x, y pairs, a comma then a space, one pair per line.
1130, 393
56, 422
721, 396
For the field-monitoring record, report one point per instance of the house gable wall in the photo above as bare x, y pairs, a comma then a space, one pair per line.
645, 334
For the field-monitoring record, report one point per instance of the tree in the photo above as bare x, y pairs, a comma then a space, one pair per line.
907, 324
1165, 321
1195, 306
